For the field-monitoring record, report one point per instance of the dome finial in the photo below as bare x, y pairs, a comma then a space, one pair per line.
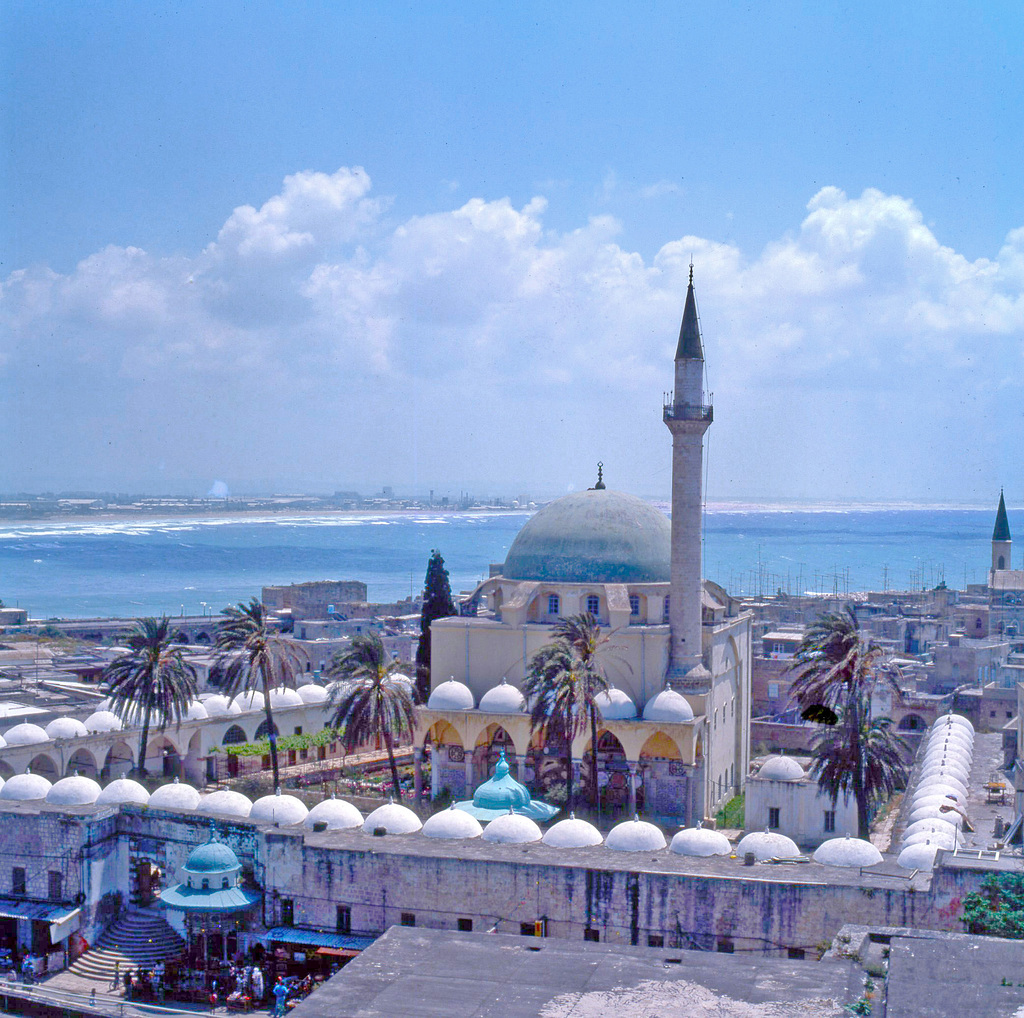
691, 270
600, 486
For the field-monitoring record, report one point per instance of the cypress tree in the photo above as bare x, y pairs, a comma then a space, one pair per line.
437, 604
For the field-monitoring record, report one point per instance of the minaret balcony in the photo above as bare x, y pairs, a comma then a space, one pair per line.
688, 411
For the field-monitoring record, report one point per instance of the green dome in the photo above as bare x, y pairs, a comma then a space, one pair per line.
595, 536
213, 857
501, 791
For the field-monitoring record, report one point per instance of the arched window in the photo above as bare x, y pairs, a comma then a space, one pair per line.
1001, 564
594, 605
552, 604
263, 732
234, 735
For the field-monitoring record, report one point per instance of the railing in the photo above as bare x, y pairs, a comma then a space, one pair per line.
689, 412
83, 1003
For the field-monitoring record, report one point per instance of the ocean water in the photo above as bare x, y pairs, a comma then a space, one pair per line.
71, 569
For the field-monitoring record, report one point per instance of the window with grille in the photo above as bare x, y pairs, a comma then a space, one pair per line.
55, 887
830, 821
773, 818
593, 605
344, 919
552, 604
18, 880
634, 604
665, 613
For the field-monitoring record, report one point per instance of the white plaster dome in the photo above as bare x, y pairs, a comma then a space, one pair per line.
451, 695
943, 839
123, 791
25, 735
250, 699
700, 841
941, 784
337, 814
218, 706
394, 818
511, 829
635, 835
175, 795
281, 809
615, 705
452, 823
312, 693
953, 719
76, 790
669, 707
196, 711
66, 728
226, 802
504, 698
932, 811
949, 769
847, 852
282, 697
103, 721
931, 824
572, 833
918, 857
781, 768
952, 754
27, 787
931, 791
767, 845
595, 536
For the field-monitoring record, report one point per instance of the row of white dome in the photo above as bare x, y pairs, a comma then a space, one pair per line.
210, 705
667, 707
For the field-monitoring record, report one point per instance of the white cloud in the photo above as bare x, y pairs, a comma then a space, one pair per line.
477, 343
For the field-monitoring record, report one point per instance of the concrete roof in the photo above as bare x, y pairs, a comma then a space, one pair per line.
420, 973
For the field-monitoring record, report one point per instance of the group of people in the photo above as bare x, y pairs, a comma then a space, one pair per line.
146, 984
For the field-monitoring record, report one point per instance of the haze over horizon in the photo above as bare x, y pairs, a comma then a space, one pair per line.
322, 247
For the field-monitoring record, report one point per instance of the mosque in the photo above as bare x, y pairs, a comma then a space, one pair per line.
674, 734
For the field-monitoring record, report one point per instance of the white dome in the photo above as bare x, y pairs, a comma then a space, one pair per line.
931, 802
336, 813
281, 697
511, 829
250, 699
942, 785
847, 852
635, 835
312, 693
700, 841
3, 742
175, 795
781, 768
217, 705
933, 811
503, 698
943, 839
918, 857
952, 754
452, 823
669, 707
226, 802
196, 711
926, 826
76, 790
952, 719
66, 728
123, 791
450, 695
767, 845
950, 733
103, 721
281, 809
25, 788
394, 818
941, 771
25, 735
615, 705
572, 833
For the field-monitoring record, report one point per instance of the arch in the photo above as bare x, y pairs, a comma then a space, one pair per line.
912, 723
203, 637
664, 774
162, 757
83, 762
1001, 564
119, 761
180, 637
612, 770
442, 733
6, 770
263, 732
593, 602
43, 764
489, 744
661, 746
234, 736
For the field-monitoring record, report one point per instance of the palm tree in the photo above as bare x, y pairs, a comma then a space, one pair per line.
153, 677
562, 686
255, 657
370, 701
862, 757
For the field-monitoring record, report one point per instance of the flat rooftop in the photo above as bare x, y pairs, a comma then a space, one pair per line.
419, 973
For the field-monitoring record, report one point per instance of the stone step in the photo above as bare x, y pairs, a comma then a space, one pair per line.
139, 940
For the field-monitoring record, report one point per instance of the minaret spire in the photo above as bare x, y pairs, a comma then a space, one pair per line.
1001, 537
689, 345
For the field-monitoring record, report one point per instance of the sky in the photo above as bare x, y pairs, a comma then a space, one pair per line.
319, 247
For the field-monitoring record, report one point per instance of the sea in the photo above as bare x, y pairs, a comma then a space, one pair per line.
66, 569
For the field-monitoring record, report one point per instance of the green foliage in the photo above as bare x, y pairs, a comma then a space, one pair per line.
860, 1006
733, 814
437, 604
998, 908
284, 743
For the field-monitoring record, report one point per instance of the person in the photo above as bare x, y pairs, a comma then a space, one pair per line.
127, 984
280, 993
116, 981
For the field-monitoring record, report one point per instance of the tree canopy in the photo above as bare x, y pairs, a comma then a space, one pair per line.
437, 604
998, 908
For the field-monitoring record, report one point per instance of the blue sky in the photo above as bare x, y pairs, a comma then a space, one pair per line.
463, 259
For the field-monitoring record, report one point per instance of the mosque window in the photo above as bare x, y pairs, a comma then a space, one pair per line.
18, 880
56, 885
773, 818
408, 919
206, 884
552, 604
344, 923
287, 912
830, 821
593, 604
634, 604
465, 925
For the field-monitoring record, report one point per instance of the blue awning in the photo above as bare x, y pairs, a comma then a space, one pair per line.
13, 908
314, 938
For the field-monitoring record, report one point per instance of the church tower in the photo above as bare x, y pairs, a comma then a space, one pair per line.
1001, 537
687, 417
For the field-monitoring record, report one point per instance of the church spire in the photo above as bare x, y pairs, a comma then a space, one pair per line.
689, 346
1002, 528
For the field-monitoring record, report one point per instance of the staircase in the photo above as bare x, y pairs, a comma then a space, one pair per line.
137, 940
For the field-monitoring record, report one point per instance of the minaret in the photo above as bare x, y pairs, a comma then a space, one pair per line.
687, 417
1001, 537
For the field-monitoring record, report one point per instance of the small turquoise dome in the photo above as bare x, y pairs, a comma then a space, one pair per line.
595, 536
502, 791
213, 857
